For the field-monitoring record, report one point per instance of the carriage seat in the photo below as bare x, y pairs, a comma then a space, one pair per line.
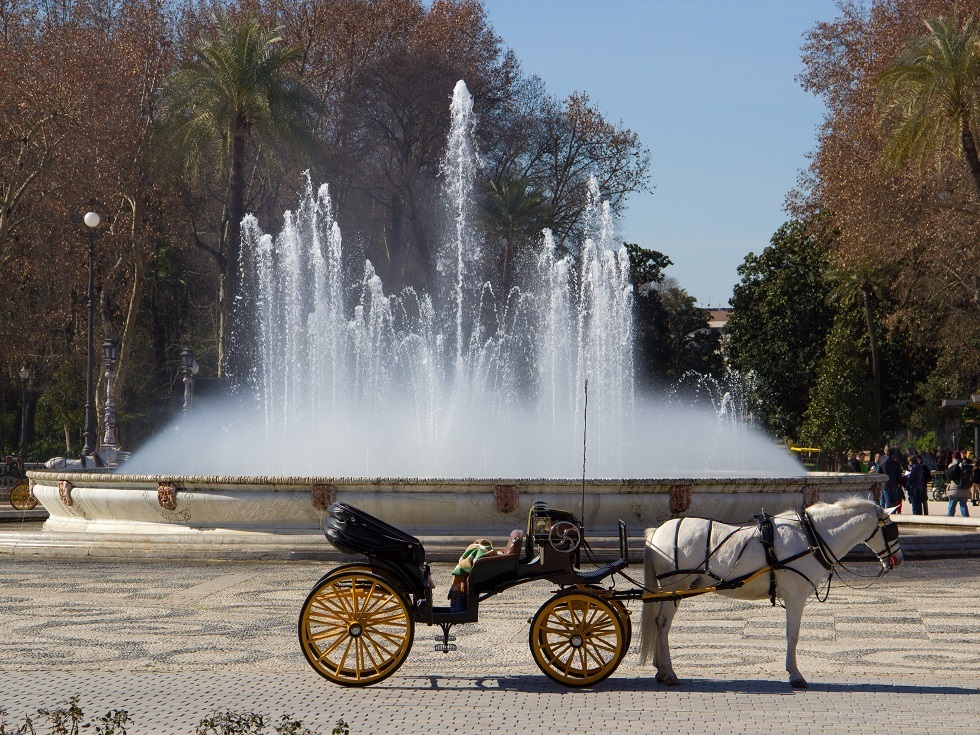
493, 569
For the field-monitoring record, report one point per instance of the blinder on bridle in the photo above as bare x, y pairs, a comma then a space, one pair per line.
891, 556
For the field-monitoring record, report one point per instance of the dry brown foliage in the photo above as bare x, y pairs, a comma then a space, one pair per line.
917, 229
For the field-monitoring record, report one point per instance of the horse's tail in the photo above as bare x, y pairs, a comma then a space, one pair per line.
648, 618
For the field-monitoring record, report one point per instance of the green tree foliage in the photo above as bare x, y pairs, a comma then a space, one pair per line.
929, 98
670, 331
651, 328
866, 288
694, 347
513, 212
895, 170
60, 414
839, 416
233, 91
646, 266
779, 322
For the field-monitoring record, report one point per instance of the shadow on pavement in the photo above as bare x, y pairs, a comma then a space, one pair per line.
541, 684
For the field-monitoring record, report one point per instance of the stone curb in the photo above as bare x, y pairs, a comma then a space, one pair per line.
919, 541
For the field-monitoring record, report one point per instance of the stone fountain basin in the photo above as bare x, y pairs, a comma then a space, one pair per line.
108, 502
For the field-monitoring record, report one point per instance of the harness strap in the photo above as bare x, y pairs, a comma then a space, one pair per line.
812, 540
703, 567
707, 547
677, 535
766, 526
767, 536
675, 595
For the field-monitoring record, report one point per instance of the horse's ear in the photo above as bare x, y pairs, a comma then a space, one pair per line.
889, 511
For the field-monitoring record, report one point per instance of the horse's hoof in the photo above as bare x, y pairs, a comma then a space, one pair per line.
798, 683
669, 680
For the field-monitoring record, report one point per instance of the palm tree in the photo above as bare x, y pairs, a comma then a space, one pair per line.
513, 210
929, 98
232, 91
863, 287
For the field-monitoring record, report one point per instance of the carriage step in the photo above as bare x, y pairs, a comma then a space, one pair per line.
443, 640
445, 647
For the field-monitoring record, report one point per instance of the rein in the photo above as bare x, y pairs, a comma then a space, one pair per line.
835, 562
817, 546
774, 563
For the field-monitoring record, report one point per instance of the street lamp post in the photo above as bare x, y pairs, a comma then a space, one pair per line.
91, 220
25, 375
189, 367
110, 353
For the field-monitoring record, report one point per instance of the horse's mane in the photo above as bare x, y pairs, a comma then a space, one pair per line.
851, 503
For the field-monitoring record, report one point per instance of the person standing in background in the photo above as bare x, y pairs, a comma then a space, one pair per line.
960, 476
915, 485
892, 494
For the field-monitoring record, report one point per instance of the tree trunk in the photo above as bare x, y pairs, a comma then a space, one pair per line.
970, 152
875, 362
129, 331
425, 258
504, 262
235, 365
395, 242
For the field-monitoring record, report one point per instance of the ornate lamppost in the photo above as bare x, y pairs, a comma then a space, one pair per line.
189, 367
92, 221
25, 375
110, 354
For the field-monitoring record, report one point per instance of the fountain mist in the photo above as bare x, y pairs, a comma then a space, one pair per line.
352, 381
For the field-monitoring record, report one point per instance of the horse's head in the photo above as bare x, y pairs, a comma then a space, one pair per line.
884, 540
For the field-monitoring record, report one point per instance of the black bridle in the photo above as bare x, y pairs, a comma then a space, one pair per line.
817, 546
889, 534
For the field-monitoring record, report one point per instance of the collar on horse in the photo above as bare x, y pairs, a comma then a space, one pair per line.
767, 536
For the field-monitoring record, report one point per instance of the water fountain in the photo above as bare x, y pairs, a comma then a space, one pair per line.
436, 411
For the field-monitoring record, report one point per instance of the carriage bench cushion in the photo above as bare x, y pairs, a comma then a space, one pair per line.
353, 531
600, 573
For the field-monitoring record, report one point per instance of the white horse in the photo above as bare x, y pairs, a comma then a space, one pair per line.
690, 553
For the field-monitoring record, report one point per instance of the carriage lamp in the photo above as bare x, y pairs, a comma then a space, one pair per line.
110, 354
540, 522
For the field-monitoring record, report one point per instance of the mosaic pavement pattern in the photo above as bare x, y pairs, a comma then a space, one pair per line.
174, 640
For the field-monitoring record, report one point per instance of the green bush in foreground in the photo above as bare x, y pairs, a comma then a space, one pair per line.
69, 720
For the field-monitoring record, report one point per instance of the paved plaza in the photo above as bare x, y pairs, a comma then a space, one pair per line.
172, 642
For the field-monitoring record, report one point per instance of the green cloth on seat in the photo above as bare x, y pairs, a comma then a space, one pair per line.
480, 547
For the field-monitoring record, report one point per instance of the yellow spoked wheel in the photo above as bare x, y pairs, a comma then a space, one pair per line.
355, 628
346, 569
22, 498
577, 638
624, 618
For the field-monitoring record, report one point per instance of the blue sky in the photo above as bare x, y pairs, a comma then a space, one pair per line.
709, 86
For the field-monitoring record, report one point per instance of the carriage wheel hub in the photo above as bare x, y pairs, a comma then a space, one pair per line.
576, 641
354, 630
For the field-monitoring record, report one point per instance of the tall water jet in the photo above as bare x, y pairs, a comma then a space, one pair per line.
383, 399
353, 381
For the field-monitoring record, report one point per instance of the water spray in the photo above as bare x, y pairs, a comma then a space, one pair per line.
585, 436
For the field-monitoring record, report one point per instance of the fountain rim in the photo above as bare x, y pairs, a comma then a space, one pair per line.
87, 477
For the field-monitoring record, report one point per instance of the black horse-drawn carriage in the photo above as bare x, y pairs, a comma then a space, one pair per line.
358, 623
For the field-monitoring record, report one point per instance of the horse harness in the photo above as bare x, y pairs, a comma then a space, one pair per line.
815, 546
767, 536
